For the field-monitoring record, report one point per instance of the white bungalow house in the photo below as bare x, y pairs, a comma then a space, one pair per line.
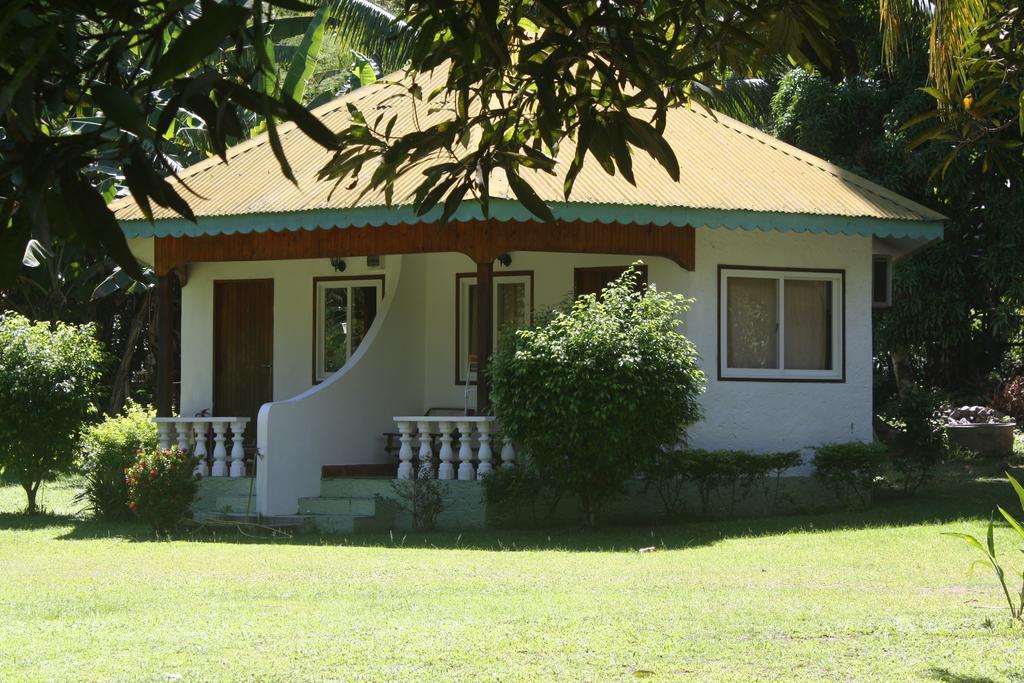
320, 318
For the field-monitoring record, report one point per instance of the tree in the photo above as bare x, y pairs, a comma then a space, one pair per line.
526, 75
48, 378
94, 90
596, 393
976, 69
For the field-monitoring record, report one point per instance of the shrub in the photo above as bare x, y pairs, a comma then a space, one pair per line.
48, 379
920, 444
850, 469
1010, 399
162, 486
714, 474
598, 391
523, 487
422, 498
107, 449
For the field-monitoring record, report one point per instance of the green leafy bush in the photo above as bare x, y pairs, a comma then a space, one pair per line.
594, 393
48, 380
725, 474
850, 469
162, 486
523, 487
107, 449
919, 445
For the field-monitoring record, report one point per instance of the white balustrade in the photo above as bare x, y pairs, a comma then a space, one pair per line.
424, 428
192, 434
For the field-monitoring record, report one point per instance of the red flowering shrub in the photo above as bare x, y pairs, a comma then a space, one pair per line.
1010, 399
161, 486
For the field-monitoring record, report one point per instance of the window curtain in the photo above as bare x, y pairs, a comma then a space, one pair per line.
808, 317
511, 306
753, 323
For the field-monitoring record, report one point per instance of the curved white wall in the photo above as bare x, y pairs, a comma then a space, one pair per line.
341, 420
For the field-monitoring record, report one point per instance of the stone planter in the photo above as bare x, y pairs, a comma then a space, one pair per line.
988, 439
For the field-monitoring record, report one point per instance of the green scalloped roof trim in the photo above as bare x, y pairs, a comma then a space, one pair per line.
505, 210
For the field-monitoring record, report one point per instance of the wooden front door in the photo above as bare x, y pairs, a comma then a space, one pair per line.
594, 280
243, 349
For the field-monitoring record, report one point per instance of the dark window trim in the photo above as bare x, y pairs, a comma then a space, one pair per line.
804, 380
459, 277
316, 313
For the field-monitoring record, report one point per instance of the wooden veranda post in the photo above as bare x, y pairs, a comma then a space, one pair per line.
164, 346
484, 328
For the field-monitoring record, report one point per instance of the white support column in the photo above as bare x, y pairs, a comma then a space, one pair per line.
220, 453
426, 454
446, 471
466, 472
237, 451
484, 453
163, 430
202, 467
405, 452
508, 454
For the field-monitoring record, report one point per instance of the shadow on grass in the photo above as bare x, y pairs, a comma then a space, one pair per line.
968, 500
947, 676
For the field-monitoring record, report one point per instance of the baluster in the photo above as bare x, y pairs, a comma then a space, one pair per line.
426, 454
484, 453
405, 452
446, 471
202, 466
508, 454
163, 430
465, 452
184, 430
237, 451
220, 453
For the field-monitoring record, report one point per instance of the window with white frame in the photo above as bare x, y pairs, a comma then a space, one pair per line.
781, 324
512, 303
345, 309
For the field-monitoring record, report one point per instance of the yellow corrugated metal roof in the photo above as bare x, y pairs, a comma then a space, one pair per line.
725, 166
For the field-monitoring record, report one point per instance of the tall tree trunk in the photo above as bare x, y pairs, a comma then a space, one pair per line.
122, 378
31, 489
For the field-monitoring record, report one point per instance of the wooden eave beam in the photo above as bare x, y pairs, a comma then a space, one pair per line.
482, 241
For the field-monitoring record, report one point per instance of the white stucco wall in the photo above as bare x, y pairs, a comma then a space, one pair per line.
407, 364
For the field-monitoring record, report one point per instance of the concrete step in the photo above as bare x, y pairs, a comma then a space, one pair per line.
352, 524
356, 488
287, 522
348, 505
236, 504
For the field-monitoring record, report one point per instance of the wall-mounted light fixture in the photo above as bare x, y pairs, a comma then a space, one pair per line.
505, 260
338, 264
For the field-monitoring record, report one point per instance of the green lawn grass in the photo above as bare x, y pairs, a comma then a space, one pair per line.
873, 595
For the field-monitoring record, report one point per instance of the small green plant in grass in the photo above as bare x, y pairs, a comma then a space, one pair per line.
422, 498
988, 549
161, 487
850, 470
107, 449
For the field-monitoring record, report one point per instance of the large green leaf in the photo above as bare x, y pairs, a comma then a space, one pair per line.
306, 56
199, 40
